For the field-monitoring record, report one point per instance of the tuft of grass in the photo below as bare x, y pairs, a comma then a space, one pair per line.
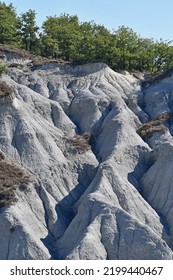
149, 131
3, 68
11, 177
39, 61
4, 48
36, 60
157, 125
82, 143
16, 65
5, 90
151, 79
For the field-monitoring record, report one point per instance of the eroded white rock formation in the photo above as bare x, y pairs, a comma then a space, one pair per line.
107, 199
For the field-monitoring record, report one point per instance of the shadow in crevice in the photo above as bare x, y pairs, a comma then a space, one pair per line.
135, 176
66, 211
145, 161
135, 179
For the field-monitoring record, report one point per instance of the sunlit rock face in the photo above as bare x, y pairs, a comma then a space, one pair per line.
97, 189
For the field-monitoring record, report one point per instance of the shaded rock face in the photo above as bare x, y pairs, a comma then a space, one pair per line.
98, 190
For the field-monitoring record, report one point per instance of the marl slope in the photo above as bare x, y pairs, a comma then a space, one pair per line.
96, 189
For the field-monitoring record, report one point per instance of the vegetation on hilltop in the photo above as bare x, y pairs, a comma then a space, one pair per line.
64, 37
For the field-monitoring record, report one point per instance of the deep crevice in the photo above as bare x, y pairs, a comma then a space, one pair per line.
136, 182
49, 241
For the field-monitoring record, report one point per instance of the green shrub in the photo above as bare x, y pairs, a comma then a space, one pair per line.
3, 69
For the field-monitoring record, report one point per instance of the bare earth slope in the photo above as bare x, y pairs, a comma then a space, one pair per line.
97, 190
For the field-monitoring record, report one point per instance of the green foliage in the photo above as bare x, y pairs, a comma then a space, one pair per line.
63, 33
3, 69
48, 46
64, 37
28, 30
126, 44
93, 42
8, 24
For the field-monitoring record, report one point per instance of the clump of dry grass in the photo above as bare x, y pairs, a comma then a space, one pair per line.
82, 143
153, 78
11, 177
36, 60
149, 131
39, 61
2, 156
156, 125
14, 50
5, 90
16, 65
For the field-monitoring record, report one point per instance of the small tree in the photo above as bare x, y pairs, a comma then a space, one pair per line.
48, 46
63, 31
29, 30
8, 24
